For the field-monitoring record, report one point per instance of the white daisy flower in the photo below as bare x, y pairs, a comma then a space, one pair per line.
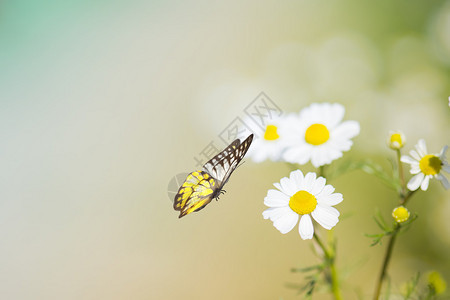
300, 197
426, 166
318, 134
269, 144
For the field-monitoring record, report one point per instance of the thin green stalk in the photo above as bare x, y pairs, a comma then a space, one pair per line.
387, 258
330, 259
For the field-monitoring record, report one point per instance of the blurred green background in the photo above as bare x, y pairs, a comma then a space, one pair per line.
103, 102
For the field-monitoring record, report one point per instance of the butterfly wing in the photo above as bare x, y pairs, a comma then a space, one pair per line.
195, 193
219, 164
223, 164
236, 157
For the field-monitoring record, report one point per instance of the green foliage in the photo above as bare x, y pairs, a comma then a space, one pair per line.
369, 167
313, 278
388, 230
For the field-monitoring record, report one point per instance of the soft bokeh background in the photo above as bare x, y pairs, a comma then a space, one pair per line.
103, 102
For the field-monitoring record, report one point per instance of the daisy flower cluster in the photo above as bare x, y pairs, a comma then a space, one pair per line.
317, 134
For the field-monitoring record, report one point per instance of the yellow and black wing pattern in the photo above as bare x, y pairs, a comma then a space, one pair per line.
200, 187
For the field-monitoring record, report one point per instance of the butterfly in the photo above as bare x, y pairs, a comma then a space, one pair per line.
200, 187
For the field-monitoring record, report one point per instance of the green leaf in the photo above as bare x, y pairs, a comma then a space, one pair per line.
381, 222
387, 230
307, 269
376, 238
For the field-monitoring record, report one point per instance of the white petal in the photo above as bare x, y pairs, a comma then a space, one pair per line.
316, 159
319, 157
415, 182
333, 154
278, 186
446, 168
408, 160
414, 155
414, 169
274, 151
305, 112
326, 191
338, 146
346, 130
318, 186
276, 198
444, 181
271, 211
330, 209
421, 147
326, 216
259, 155
287, 222
297, 178
330, 200
309, 181
288, 187
298, 154
336, 114
425, 182
306, 228
442, 153
274, 213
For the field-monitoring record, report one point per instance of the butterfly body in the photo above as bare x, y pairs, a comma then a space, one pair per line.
201, 186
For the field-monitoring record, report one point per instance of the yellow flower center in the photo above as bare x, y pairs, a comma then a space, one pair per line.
400, 214
317, 134
430, 164
271, 133
303, 202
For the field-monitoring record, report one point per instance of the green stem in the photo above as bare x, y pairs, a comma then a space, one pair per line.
387, 258
330, 259
334, 282
322, 171
405, 198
